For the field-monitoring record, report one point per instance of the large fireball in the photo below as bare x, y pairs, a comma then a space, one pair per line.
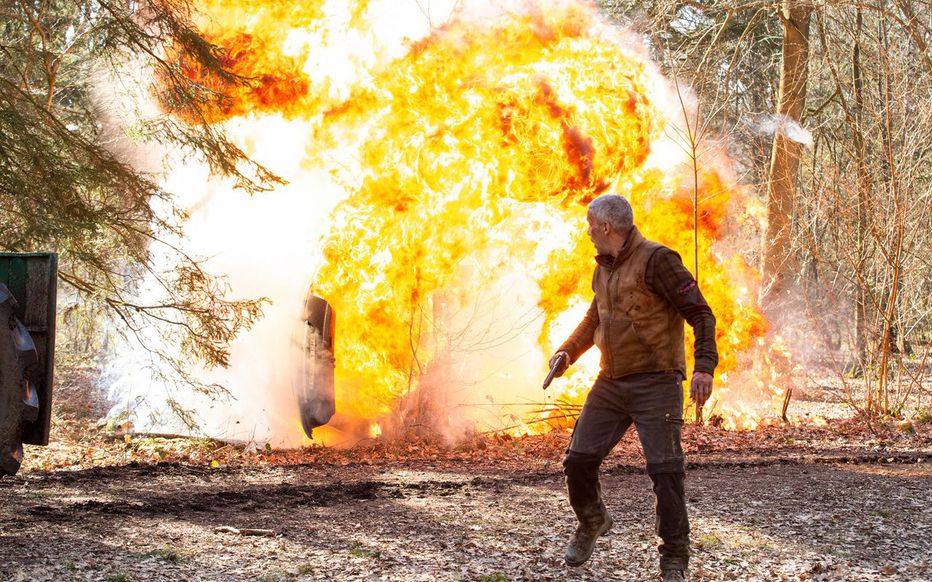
466, 155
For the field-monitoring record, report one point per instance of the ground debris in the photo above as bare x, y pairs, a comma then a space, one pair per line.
457, 520
87, 446
249, 531
830, 501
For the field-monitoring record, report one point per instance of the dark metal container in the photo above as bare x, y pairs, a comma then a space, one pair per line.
32, 280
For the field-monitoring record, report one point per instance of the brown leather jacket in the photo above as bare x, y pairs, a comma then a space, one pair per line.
635, 329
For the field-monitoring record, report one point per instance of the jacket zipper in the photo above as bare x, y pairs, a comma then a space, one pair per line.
608, 341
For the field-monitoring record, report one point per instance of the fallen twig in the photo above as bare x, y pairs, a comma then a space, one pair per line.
244, 532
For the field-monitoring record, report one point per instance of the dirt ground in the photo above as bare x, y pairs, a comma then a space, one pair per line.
829, 500
770, 519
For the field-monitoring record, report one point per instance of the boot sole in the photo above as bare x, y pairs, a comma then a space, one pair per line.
602, 531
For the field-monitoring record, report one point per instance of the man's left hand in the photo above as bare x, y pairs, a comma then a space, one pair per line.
701, 387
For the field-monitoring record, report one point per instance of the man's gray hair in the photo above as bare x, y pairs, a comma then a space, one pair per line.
613, 209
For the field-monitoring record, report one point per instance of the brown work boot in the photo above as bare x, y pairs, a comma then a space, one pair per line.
583, 542
674, 576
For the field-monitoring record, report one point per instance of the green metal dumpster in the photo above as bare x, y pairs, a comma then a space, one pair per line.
29, 282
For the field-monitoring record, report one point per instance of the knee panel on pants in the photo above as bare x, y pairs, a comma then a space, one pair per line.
579, 464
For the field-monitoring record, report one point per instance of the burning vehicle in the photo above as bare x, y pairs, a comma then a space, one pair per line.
27, 353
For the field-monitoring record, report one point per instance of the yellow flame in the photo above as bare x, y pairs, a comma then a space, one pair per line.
476, 151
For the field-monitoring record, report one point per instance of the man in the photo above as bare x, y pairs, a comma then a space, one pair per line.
643, 294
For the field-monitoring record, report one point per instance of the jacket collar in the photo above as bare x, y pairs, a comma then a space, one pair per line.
634, 240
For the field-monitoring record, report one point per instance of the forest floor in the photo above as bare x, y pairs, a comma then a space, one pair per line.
834, 500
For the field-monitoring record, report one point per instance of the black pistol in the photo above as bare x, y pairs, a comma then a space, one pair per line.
554, 370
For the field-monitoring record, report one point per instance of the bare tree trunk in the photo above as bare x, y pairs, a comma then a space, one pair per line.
784, 160
895, 257
864, 198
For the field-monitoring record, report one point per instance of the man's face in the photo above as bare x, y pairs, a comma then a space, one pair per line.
599, 234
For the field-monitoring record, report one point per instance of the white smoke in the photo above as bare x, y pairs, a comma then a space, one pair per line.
773, 124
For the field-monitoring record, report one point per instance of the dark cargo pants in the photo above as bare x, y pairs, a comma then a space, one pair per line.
653, 402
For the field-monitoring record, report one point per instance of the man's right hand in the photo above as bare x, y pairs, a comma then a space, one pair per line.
558, 357
700, 388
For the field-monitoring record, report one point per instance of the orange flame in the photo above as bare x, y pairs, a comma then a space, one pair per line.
477, 150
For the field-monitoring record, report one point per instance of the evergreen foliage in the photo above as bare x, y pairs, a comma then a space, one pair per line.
66, 184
